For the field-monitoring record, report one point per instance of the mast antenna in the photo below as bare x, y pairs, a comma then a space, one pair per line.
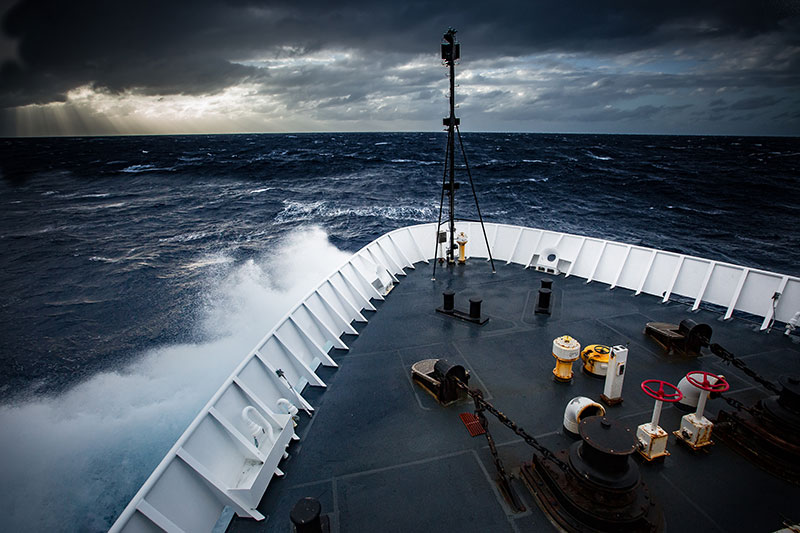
451, 53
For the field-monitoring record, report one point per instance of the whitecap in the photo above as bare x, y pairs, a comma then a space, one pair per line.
599, 157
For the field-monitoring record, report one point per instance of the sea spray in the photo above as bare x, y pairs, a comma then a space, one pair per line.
73, 461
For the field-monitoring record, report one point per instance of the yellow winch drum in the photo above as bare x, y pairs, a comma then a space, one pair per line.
595, 359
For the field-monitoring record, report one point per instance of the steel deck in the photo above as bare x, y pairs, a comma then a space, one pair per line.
381, 455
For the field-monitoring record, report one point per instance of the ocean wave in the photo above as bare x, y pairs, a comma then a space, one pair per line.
94, 207
101, 259
599, 157
207, 261
185, 237
136, 169
415, 161
294, 211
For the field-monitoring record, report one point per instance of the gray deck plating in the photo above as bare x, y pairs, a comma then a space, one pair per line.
380, 454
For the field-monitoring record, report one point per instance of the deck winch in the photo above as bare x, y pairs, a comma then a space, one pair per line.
695, 428
592, 486
769, 432
566, 350
436, 376
686, 338
595, 360
600, 486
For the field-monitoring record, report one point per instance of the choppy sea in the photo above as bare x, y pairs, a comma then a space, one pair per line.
137, 271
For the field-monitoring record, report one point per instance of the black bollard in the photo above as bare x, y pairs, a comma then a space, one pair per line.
449, 301
547, 283
305, 516
475, 308
543, 302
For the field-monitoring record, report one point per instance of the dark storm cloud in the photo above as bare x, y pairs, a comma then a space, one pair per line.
197, 47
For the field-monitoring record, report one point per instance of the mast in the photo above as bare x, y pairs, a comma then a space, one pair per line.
451, 52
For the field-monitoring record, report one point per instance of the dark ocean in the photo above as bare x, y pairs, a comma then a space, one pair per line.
138, 271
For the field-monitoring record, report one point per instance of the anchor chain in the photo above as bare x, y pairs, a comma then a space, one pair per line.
477, 397
736, 404
504, 478
728, 357
479, 408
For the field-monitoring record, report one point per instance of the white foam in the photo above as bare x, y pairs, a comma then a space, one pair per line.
72, 462
294, 211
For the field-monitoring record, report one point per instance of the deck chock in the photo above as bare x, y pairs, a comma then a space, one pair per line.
474, 315
599, 488
307, 517
544, 299
472, 423
435, 376
767, 433
686, 338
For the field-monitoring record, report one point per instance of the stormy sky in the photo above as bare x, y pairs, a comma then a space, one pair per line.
141, 66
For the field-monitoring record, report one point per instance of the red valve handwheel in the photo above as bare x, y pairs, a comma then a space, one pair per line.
661, 394
720, 386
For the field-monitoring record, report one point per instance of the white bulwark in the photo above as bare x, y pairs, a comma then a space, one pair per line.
219, 462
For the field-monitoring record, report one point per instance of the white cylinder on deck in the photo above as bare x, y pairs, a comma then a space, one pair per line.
579, 408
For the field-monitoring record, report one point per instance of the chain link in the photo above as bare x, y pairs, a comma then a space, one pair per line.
736, 404
477, 397
728, 357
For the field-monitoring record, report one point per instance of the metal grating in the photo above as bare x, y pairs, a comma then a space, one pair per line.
472, 424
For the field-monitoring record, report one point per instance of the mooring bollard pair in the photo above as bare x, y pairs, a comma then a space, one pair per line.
448, 308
